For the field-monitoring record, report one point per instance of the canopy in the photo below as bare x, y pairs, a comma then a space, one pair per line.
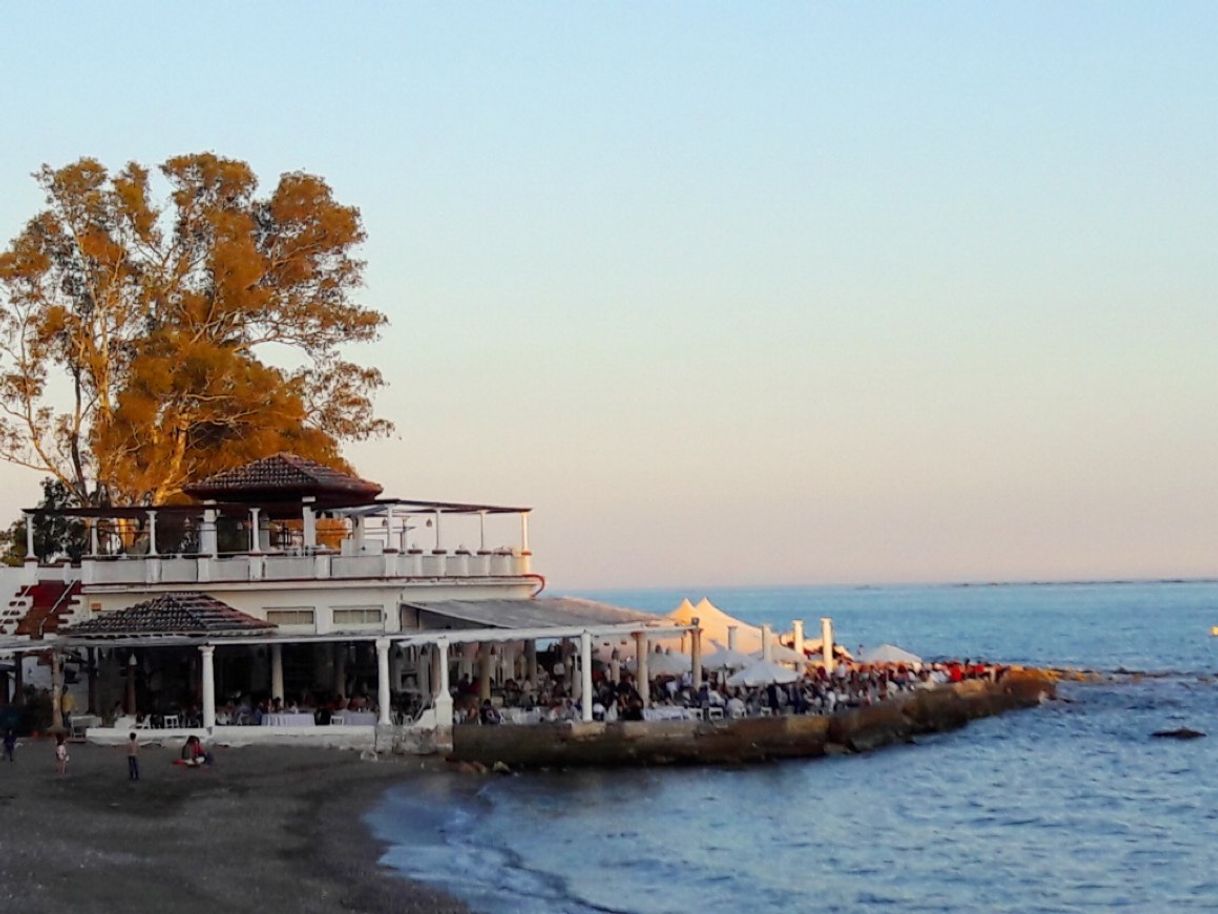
780, 653
665, 664
762, 672
888, 653
714, 623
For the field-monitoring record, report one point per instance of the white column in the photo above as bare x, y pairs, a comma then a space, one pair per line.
152, 533
767, 643
382, 680
207, 530
530, 662
797, 635
255, 546
435, 522
277, 671
209, 686
357, 535
731, 637
641, 674
695, 653
94, 548
481, 532
585, 674
826, 637
310, 522
29, 539
524, 532
443, 699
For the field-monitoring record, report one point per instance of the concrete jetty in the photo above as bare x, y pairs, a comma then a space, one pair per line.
600, 744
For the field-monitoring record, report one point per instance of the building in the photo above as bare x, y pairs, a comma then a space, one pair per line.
287, 578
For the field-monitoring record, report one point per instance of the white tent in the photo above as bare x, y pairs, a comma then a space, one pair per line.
714, 623
780, 653
665, 663
888, 653
762, 672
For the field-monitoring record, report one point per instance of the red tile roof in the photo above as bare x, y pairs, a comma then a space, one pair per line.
183, 613
284, 476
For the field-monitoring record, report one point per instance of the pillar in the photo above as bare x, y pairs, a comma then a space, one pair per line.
443, 699
585, 674
695, 653
29, 538
383, 695
797, 635
310, 522
530, 662
56, 690
436, 550
152, 533
524, 533
767, 643
94, 547
208, 651
484, 671
481, 532
131, 664
91, 654
643, 680
207, 530
826, 637
277, 671
731, 637
255, 545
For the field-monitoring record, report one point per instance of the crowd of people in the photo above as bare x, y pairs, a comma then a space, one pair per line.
816, 691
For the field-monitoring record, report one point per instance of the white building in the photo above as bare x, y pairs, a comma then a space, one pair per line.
290, 579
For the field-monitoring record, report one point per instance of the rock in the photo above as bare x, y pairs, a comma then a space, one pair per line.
1179, 733
500, 768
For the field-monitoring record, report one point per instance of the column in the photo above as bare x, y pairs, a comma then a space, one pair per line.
642, 678
340, 670
277, 671
383, 695
255, 546
530, 662
310, 522
152, 533
484, 671
585, 674
207, 530
131, 663
826, 637
731, 637
695, 652
797, 635
443, 698
209, 686
481, 532
767, 643
29, 538
524, 533
435, 520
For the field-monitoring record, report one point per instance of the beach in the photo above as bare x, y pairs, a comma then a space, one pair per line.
265, 829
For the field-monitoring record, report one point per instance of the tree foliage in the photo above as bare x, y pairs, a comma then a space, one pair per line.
55, 536
146, 341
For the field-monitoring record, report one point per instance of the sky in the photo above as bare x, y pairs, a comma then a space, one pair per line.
731, 294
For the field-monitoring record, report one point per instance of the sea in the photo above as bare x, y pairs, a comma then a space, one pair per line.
1068, 807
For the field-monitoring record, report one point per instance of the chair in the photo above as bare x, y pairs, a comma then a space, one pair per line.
338, 720
143, 723
715, 713
171, 722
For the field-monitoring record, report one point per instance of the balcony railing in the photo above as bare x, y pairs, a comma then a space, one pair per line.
196, 569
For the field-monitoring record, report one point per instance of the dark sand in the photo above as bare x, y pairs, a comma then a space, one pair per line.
266, 829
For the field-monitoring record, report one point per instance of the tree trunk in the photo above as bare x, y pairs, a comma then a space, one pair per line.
92, 655
56, 691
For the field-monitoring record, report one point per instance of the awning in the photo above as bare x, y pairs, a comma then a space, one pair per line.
545, 612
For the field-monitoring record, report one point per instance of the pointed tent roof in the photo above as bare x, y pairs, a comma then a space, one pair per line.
284, 477
714, 623
186, 613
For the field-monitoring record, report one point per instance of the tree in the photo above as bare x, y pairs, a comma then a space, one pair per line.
133, 333
55, 536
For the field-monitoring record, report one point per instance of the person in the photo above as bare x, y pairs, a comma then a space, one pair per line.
489, 715
67, 707
133, 758
10, 743
193, 753
61, 754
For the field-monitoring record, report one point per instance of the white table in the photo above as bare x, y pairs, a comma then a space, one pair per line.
357, 718
664, 712
287, 720
520, 716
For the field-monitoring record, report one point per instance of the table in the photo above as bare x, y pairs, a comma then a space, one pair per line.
357, 718
665, 712
520, 716
287, 720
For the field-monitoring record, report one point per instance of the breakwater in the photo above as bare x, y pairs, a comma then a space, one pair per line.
599, 744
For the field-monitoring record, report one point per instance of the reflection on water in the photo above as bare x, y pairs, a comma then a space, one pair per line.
1070, 807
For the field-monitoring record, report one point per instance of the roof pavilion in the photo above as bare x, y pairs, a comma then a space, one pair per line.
187, 614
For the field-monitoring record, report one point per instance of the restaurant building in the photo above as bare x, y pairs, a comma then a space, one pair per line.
293, 580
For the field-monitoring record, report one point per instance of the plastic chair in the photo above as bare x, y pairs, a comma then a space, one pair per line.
337, 720
171, 722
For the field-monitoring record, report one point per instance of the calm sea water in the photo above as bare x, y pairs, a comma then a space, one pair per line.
1070, 807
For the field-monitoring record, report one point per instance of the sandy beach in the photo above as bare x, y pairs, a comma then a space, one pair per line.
265, 829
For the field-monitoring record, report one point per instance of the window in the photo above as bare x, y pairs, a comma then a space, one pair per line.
359, 615
293, 616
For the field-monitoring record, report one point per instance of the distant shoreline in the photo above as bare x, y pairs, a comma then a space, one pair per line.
895, 585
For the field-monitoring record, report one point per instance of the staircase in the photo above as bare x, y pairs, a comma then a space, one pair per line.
40, 609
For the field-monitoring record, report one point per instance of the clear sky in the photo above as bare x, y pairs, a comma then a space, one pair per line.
731, 293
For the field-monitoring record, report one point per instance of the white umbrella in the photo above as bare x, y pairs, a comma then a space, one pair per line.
724, 658
762, 672
888, 653
780, 653
665, 664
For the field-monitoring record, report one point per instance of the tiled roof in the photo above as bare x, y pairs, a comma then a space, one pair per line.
184, 613
285, 473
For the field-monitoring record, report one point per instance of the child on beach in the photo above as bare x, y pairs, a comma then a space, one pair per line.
10, 743
133, 758
61, 754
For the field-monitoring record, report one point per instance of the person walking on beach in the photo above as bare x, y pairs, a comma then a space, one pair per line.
133, 758
10, 743
61, 755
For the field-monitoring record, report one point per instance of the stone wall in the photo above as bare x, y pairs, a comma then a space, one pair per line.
748, 740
